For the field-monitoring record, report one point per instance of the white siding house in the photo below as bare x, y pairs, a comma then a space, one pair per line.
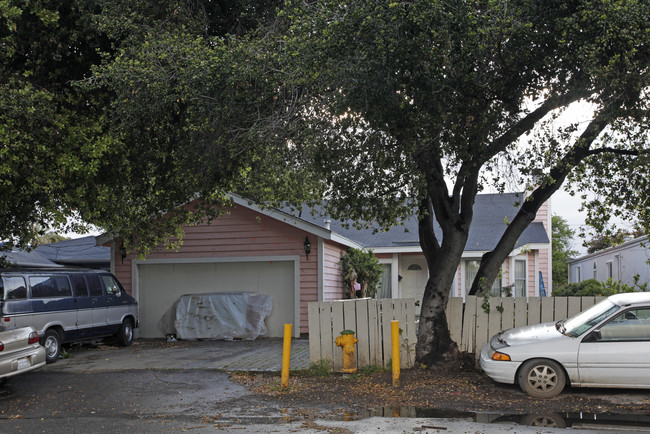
620, 263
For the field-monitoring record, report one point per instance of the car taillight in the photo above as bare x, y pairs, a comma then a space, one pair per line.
2, 346
33, 338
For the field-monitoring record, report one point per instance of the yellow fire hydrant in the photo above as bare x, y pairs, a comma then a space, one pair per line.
347, 341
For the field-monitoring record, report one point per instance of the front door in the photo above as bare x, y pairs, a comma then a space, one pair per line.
414, 278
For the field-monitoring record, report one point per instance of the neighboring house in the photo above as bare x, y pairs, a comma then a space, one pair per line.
79, 252
24, 259
620, 263
264, 250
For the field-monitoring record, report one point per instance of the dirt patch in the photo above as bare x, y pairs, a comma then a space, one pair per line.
451, 389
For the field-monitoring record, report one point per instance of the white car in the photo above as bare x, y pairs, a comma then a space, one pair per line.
20, 352
607, 345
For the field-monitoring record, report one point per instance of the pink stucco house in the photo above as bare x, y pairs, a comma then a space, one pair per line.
262, 250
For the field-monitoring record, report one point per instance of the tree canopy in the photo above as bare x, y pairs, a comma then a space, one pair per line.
47, 128
427, 103
127, 110
121, 112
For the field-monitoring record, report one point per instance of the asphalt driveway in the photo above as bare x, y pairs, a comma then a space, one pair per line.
258, 355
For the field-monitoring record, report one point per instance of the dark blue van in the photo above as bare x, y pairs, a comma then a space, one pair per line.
67, 305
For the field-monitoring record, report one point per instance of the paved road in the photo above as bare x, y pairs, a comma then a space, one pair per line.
155, 386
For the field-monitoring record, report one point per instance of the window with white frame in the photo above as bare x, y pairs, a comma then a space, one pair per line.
471, 269
595, 276
578, 273
520, 278
385, 289
609, 269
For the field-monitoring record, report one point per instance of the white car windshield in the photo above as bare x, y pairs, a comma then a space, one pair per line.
583, 321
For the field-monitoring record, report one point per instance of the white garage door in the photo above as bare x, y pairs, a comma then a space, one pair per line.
162, 284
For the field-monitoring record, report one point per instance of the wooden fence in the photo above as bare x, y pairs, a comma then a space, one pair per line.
471, 327
370, 319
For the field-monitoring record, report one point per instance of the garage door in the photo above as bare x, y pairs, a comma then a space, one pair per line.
162, 284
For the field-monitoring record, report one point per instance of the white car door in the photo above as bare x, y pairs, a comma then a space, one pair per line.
618, 353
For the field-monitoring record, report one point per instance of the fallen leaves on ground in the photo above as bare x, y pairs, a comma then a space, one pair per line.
448, 389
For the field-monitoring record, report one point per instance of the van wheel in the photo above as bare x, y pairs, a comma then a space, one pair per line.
52, 344
125, 335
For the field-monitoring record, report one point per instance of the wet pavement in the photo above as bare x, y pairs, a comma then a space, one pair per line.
261, 355
158, 386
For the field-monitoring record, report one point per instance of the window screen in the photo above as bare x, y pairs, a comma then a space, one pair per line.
520, 278
471, 269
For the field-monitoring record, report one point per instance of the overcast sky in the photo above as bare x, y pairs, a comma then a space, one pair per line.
566, 206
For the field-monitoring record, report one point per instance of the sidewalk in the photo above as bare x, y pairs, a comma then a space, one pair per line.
258, 355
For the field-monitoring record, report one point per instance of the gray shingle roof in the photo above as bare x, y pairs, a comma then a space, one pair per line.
76, 251
490, 214
22, 258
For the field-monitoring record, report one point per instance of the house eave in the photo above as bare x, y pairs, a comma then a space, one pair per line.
296, 222
610, 250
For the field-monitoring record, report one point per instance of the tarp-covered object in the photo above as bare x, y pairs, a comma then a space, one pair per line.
231, 315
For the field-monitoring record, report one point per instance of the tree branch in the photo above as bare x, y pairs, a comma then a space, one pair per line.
616, 151
528, 122
491, 261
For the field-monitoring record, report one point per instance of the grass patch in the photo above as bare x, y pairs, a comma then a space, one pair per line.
322, 368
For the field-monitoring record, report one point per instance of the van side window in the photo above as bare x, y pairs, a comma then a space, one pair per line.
112, 287
14, 288
79, 287
94, 285
50, 286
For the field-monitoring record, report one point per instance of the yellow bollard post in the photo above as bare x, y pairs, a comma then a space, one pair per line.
394, 334
286, 355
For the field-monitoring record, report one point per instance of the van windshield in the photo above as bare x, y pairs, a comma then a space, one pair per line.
583, 321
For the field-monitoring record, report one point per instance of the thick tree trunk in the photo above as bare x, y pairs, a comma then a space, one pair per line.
434, 341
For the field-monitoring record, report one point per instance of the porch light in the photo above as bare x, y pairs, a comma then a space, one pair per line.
307, 246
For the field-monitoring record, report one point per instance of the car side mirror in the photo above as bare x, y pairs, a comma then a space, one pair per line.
594, 336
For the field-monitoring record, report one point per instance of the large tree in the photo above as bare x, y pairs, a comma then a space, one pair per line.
390, 107
562, 251
420, 105
195, 114
118, 112
46, 125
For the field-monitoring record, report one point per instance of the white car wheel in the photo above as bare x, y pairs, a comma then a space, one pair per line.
541, 378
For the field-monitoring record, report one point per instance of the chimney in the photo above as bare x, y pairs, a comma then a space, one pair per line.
328, 224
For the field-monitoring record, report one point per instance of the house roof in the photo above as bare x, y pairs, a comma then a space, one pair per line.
22, 258
491, 211
609, 250
82, 250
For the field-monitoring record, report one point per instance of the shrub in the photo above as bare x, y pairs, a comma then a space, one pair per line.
361, 267
592, 287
